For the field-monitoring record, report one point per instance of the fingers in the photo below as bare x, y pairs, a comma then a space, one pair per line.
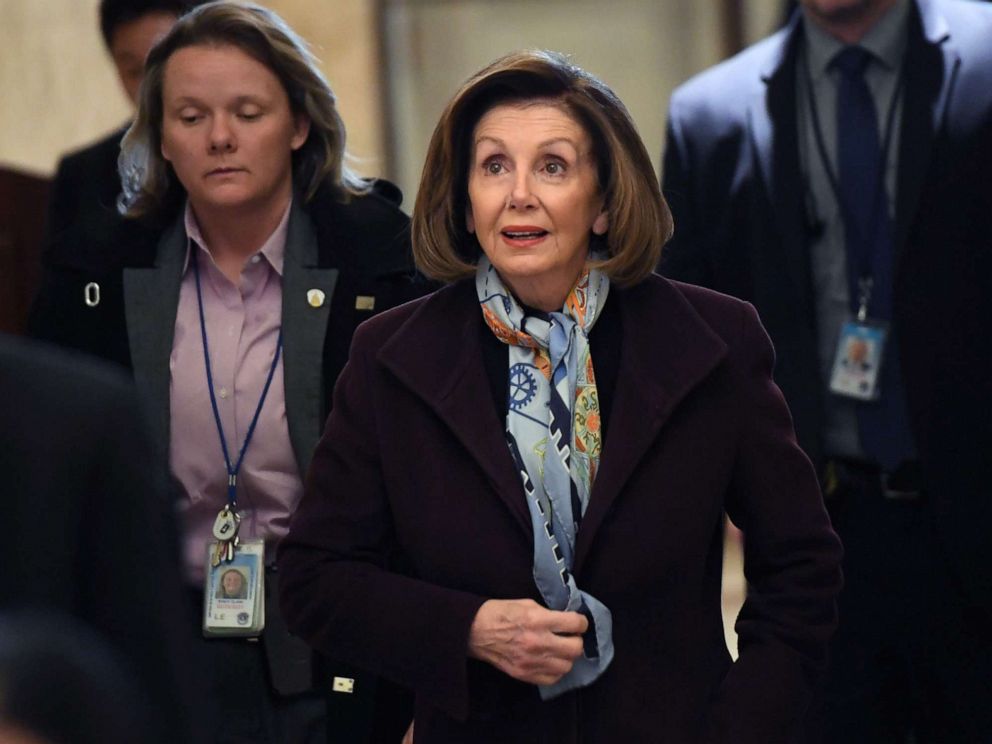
527, 641
569, 622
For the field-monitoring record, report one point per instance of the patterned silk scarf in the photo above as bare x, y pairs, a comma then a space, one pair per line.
554, 433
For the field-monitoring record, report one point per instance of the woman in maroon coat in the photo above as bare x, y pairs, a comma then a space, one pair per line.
550, 444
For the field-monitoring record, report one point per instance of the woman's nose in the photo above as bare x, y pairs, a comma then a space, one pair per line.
221, 137
522, 194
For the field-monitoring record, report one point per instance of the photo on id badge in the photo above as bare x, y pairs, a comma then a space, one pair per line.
858, 360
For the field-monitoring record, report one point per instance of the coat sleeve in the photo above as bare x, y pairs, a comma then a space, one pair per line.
791, 562
337, 590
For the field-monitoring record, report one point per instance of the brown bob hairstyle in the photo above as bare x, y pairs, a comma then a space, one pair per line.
640, 222
150, 187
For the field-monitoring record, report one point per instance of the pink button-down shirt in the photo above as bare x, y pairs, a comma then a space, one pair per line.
243, 323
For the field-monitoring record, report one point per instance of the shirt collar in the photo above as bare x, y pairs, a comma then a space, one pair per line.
273, 249
886, 41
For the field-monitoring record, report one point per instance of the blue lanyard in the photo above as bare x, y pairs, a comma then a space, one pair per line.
232, 472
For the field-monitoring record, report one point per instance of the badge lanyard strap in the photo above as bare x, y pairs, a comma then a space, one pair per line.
232, 472
864, 258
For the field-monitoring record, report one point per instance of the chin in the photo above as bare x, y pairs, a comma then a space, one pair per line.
839, 11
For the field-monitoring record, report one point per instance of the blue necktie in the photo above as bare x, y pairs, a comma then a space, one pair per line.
884, 423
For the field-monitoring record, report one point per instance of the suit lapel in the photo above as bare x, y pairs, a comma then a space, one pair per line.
304, 328
437, 354
774, 135
659, 364
151, 302
930, 68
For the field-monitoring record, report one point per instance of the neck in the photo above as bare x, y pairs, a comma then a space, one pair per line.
543, 293
233, 236
849, 25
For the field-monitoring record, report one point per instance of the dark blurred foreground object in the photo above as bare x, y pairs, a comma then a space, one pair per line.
88, 529
23, 200
61, 683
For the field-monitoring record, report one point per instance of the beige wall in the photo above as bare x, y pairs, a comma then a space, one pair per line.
58, 89
57, 86
642, 48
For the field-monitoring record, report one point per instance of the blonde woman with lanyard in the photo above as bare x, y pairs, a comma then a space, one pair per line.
253, 255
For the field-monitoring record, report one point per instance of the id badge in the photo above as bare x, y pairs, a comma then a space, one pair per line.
234, 592
858, 360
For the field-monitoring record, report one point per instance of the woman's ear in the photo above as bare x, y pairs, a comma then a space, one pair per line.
602, 223
469, 220
301, 131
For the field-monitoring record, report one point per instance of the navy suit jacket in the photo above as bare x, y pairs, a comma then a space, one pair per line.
414, 460
731, 174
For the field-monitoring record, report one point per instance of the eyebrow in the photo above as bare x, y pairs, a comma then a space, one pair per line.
546, 143
194, 101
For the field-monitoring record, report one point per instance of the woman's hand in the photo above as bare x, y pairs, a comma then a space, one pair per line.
527, 641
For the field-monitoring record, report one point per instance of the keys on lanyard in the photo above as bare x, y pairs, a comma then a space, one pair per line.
226, 532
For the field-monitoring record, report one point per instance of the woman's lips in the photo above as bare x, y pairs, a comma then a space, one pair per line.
523, 235
225, 171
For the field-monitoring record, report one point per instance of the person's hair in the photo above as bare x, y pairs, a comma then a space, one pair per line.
150, 187
115, 13
639, 219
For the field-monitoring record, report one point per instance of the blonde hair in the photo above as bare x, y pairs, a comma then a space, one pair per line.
640, 222
150, 187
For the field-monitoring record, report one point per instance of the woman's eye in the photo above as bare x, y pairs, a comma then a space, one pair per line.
189, 118
554, 168
249, 115
493, 167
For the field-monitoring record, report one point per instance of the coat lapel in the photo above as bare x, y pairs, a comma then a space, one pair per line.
930, 67
151, 302
437, 354
773, 128
304, 327
660, 363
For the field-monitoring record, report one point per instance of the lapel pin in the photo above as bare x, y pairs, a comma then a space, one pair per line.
365, 302
91, 294
316, 297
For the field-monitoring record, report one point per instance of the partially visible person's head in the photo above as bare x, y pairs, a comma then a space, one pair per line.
637, 219
130, 29
264, 49
232, 583
848, 20
61, 682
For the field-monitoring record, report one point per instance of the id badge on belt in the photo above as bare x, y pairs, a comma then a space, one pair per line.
858, 359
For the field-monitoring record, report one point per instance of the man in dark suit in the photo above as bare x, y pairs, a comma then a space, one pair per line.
83, 208
840, 166
88, 530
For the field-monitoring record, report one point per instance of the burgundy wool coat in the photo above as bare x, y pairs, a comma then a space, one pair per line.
413, 464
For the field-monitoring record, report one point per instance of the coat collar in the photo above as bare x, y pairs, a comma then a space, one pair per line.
930, 68
437, 355
304, 328
773, 129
